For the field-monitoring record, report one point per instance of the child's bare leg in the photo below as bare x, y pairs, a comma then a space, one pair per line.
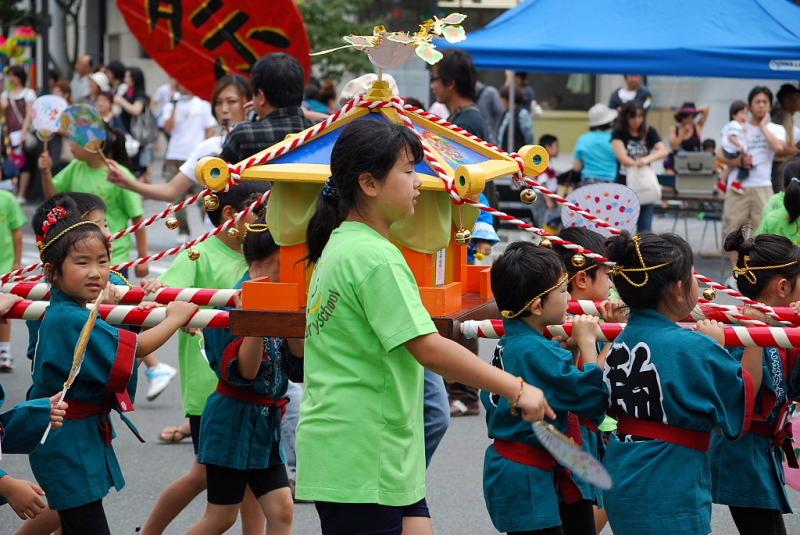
600, 518
417, 525
253, 520
174, 499
278, 507
5, 347
44, 524
217, 520
150, 360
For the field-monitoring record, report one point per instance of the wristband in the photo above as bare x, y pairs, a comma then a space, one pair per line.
514, 409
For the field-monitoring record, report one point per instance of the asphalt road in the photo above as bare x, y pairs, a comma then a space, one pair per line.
454, 494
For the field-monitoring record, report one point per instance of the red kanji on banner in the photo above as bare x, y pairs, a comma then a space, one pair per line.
199, 41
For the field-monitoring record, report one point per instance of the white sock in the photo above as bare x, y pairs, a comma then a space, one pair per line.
5, 347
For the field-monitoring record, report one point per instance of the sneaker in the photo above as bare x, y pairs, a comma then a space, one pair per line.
459, 408
6, 362
159, 378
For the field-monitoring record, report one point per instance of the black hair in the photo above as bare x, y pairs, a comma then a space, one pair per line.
75, 202
505, 93
736, 107
791, 186
586, 238
763, 250
19, 72
365, 146
259, 245
87, 202
114, 146
238, 197
758, 90
547, 139
709, 144
311, 89
457, 66
631, 109
521, 272
117, 68
107, 95
601, 127
137, 75
57, 251
414, 102
655, 249
280, 77
786, 90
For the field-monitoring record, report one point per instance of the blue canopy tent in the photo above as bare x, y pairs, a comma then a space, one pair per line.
721, 38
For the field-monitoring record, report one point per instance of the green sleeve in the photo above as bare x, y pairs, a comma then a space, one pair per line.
182, 273
392, 305
131, 202
63, 180
16, 217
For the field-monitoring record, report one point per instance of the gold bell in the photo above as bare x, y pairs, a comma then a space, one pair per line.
172, 223
233, 233
463, 236
211, 202
578, 260
194, 254
544, 242
528, 196
709, 294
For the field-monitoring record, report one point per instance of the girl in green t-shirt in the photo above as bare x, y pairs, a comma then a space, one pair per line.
360, 440
783, 218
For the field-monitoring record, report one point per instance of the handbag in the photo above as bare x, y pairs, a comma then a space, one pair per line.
644, 182
8, 167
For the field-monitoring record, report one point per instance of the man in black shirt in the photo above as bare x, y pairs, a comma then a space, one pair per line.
634, 90
453, 82
278, 83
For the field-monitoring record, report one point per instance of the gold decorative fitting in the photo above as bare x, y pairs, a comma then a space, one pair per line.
749, 271
233, 233
709, 294
211, 202
528, 196
172, 223
578, 260
510, 314
463, 236
194, 254
254, 228
547, 244
622, 271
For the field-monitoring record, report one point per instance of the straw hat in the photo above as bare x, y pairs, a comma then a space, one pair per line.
101, 80
600, 114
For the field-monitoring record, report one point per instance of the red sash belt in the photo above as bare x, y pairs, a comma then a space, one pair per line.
590, 425
529, 455
781, 434
697, 440
251, 397
82, 409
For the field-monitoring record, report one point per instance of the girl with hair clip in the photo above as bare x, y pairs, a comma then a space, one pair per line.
670, 389
782, 212
76, 466
240, 430
89, 173
368, 337
747, 474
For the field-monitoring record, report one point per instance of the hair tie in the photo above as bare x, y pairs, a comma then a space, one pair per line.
254, 228
329, 190
510, 314
622, 271
794, 179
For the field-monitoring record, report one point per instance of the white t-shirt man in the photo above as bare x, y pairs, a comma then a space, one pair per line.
757, 146
193, 117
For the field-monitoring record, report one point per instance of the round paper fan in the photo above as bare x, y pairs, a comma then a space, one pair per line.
615, 204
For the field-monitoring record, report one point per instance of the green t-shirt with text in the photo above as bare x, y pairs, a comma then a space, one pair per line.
219, 266
11, 218
361, 434
123, 205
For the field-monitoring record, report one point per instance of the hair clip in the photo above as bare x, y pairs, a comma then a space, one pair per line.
329, 190
56, 214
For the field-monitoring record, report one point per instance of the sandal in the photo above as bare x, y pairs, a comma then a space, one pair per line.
173, 434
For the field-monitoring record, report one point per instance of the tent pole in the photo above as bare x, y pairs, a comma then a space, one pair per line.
511, 115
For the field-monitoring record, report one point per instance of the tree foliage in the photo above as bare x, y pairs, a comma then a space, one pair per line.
12, 15
327, 22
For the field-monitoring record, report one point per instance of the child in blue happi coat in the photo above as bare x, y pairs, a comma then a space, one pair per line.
76, 466
670, 388
525, 490
241, 425
590, 280
747, 474
20, 431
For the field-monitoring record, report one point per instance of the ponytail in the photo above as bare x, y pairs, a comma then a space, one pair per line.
365, 146
791, 185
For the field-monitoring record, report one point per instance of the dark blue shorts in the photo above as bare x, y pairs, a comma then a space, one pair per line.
366, 518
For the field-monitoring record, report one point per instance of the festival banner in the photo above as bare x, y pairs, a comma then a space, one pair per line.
199, 41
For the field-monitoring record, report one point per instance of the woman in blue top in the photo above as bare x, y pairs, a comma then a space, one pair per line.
747, 474
595, 159
670, 388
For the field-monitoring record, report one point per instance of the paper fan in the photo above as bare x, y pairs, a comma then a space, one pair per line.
615, 204
84, 126
46, 114
572, 457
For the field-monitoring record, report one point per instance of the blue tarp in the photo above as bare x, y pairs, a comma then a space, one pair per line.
722, 38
